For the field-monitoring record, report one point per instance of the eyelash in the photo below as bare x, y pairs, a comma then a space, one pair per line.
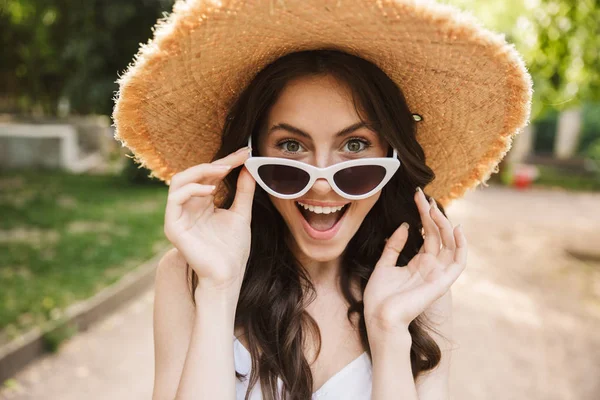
360, 139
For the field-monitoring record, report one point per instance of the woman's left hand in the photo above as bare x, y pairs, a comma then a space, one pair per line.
394, 296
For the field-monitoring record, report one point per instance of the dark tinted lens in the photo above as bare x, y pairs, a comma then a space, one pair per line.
360, 179
284, 179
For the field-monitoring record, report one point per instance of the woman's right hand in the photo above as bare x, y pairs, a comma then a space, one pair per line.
214, 241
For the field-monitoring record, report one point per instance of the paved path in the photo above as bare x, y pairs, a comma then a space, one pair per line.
527, 314
113, 360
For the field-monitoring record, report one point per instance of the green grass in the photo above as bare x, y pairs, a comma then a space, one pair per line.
552, 177
64, 237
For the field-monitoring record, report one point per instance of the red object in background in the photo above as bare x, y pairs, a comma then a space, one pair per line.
522, 181
524, 175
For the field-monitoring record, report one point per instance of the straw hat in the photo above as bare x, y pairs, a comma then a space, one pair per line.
469, 85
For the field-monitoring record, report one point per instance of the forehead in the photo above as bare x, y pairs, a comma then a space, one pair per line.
318, 105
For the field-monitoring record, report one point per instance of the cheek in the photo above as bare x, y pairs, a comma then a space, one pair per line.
283, 206
362, 207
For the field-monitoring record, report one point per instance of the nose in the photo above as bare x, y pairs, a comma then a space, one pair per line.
321, 187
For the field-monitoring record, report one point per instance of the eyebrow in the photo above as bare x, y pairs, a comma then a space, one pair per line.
298, 131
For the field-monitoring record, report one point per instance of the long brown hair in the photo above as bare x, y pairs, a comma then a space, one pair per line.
276, 289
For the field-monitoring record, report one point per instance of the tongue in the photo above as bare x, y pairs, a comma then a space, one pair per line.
322, 222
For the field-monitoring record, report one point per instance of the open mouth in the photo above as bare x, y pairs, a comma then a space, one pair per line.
321, 218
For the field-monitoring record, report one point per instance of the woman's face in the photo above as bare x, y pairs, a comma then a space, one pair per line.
303, 125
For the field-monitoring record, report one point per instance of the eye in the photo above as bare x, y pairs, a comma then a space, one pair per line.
289, 145
354, 144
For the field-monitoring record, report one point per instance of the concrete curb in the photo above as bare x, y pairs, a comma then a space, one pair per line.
16, 354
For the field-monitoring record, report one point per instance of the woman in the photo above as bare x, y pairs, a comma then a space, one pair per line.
331, 278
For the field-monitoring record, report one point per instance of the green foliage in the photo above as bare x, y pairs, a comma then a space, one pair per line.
555, 177
559, 41
134, 173
545, 132
72, 49
546, 126
593, 155
590, 130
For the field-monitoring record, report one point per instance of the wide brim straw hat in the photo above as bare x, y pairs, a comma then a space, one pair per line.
469, 86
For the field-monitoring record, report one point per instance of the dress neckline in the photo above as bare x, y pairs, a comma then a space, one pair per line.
329, 381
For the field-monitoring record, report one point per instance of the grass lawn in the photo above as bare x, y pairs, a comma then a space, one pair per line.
64, 237
553, 177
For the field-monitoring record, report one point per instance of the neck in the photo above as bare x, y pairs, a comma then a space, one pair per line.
324, 274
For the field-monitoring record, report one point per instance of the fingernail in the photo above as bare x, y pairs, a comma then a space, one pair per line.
243, 149
405, 225
432, 202
418, 189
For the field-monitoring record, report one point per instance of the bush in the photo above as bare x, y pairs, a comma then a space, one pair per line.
593, 155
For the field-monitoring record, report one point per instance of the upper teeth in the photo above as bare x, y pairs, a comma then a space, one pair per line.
321, 210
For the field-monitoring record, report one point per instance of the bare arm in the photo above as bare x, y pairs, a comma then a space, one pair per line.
392, 371
193, 345
434, 384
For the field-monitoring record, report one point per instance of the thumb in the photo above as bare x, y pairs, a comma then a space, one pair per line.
242, 203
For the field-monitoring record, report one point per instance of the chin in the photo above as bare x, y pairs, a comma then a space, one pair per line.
320, 252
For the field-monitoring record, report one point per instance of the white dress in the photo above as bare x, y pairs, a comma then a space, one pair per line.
353, 382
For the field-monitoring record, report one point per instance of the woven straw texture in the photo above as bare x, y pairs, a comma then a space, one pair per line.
470, 86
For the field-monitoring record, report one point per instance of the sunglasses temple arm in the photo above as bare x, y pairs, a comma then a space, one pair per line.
250, 141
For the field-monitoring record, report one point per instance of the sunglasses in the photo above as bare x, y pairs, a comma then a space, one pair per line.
353, 180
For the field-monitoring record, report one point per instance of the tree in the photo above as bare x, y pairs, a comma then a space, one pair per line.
72, 49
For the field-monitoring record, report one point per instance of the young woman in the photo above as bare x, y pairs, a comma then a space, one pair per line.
331, 278
320, 287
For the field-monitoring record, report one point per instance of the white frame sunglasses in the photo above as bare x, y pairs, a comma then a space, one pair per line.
391, 165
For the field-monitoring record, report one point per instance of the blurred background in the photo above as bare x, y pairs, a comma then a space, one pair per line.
78, 218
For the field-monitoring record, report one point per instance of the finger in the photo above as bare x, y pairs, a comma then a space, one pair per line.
209, 171
432, 236
242, 203
453, 271
451, 274
394, 245
444, 226
178, 198
198, 173
460, 254
183, 194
